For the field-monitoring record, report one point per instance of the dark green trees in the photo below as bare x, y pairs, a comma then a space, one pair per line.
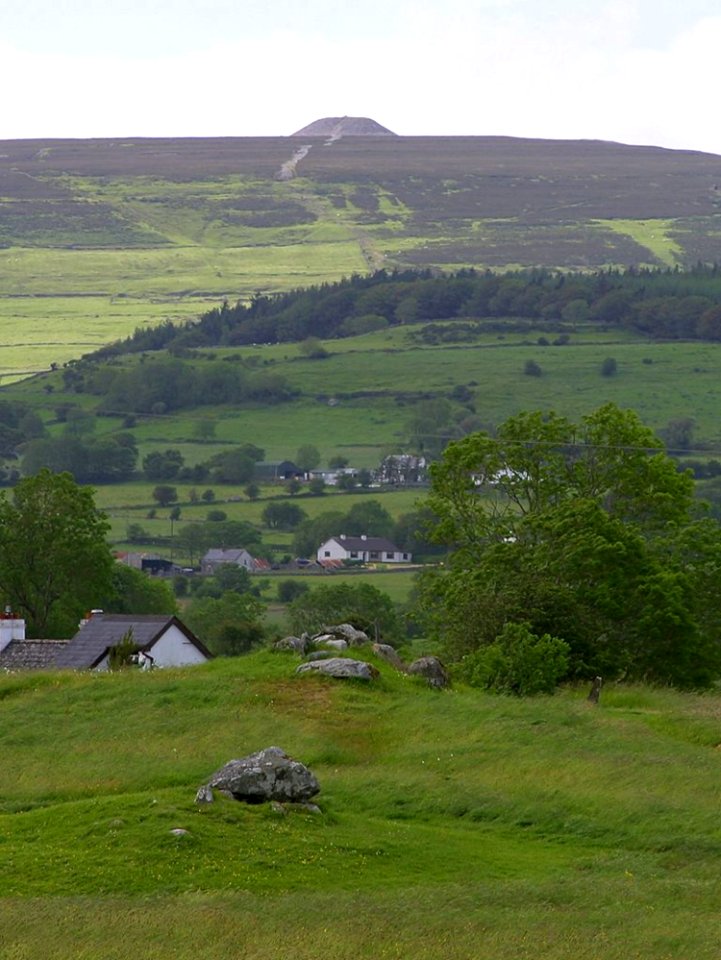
54, 561
586, 532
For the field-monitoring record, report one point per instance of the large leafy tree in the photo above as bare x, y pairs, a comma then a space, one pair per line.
55, 563
585, 531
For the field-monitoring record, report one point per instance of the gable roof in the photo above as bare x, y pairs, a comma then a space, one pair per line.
379, 544
222, 555
103, 631
31, 654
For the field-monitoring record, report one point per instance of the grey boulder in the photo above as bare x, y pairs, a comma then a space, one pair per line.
343, 668
293, 644
262, 777
432, 669
386, 652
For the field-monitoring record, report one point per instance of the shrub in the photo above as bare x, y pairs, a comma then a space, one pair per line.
518, 662
609, 367
532, 369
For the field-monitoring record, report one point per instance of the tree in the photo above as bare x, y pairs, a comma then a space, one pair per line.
252, 491
307, 457
312, 532
368, 517
164, 495
361, 604
316, 486
229, 625
54, 560
281, 515
132, 591
580, 531
162, 465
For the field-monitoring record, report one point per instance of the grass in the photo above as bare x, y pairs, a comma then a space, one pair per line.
453, 825
652, 234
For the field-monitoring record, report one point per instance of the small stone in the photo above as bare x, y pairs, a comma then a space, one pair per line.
180, 832
204, 794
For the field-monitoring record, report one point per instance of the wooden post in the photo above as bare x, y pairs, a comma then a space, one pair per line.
595, 690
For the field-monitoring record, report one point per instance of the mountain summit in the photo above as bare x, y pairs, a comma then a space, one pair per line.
336, 127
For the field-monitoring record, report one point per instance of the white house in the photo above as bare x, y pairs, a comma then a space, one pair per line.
162, 641
364, 549
217, 557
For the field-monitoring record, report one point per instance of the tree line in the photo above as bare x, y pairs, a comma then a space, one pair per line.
661, 303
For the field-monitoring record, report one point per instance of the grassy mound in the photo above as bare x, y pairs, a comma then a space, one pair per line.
452, 825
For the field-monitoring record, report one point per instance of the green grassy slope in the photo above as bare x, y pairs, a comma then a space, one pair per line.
453, 825
98, 237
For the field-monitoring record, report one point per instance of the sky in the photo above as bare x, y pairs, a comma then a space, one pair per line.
633, 71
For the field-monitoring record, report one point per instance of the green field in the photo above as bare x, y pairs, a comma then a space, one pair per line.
453, 825
99, 237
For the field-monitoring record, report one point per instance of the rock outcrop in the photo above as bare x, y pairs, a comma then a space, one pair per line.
432, 669
342, 668
262, 777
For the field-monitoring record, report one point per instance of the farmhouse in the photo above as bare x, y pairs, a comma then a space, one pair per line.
162, 641
217, 557
271, 471
364, 549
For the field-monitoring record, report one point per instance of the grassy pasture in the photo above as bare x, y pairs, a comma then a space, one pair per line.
180, 225
455, 825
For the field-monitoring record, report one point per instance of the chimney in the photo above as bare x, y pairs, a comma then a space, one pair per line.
88, 616
12, 628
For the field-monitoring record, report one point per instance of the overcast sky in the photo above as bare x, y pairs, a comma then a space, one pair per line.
636, 71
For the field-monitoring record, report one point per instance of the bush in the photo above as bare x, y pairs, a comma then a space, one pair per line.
518, 662
609, 367
532, 369
288, 590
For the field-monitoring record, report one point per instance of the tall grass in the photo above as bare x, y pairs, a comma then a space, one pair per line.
453, 824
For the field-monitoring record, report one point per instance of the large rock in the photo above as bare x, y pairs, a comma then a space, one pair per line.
386, 652
342, 668
432, 669
267, 775
330, 642
347, 632
293, 644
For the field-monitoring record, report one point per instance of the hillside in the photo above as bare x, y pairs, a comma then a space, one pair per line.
100, 236
453, 825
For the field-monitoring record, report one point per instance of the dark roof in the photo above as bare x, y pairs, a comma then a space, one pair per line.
31, 654
367, 543
104, 630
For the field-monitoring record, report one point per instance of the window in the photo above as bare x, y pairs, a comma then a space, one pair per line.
375, 555
389, 555
354, 554
327, 553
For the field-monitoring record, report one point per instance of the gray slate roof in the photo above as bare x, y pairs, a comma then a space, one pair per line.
31, 654
369, 543
102, 631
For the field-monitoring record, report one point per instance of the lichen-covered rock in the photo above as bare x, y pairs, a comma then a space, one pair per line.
386, 652
346, 631
293, 644
204, 794
267, 775
343, 668
432, 669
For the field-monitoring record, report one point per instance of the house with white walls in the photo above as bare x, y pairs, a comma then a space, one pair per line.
361, 549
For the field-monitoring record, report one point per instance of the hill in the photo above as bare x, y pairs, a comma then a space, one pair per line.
453, 825
100, 236
336, 127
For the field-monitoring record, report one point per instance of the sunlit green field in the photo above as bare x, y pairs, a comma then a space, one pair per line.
452, 824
